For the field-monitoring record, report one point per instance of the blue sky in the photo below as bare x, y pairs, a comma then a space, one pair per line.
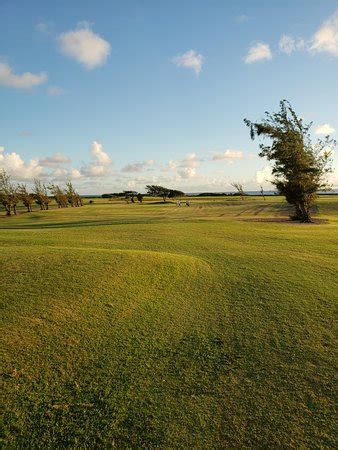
120, 94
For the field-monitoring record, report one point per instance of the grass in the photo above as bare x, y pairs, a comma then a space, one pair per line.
156, 326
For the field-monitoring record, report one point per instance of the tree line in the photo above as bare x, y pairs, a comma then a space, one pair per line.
152, 190
41, 194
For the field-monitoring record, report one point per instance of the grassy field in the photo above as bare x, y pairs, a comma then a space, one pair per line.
149, 325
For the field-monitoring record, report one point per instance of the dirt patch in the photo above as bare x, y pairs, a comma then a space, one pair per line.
283, 220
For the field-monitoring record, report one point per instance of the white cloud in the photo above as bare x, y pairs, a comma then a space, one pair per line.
138, 166
289, 44
85, 46
26, 80
59, 173
190, 160
171, 165
54, 160
324, 129
258, 52
99, 154
100, 167
55, 91
229, 155
326, 37
75, 173
190, 59
17, 168
264, 176
96, 171
187, 172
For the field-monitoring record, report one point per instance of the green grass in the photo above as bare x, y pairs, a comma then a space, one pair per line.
156, 326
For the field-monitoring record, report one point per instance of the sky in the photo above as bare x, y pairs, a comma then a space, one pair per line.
118, 94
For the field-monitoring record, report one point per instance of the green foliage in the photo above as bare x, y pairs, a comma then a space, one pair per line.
300, 167
73, 197
9, 197
60, 196
157, 191
173, 193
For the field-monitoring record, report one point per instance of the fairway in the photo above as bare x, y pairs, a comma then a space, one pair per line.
151, 325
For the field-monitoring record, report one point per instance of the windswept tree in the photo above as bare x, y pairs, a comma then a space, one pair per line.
239, 189
300, 167
157, 191
73, 197
8, 193
173, 193
26, 197
59, 195
41, 196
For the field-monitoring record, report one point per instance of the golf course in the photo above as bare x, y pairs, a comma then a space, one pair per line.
151, 325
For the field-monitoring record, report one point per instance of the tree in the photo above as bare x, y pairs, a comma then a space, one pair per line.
262, 192
300, 167
26, 197
130, 195
41, 194
8, 193
173, 193
73, 197
239, 188
157, 191
59, 195
139, 198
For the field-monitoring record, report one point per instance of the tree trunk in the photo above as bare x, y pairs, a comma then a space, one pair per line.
306, 218
302, 214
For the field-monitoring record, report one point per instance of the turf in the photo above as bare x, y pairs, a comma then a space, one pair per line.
150, 326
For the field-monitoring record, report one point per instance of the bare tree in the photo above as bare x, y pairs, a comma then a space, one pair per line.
239, 189
262, 191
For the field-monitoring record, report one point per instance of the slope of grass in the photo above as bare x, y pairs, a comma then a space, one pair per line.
151, 325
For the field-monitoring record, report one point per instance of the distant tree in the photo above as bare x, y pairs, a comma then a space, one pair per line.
8, 193
41, 194
157, 191
59, 195
25, 196
262, 192
107, 195
130, 195
173, 193
139, 198
300, 167
73, 197
239, 189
